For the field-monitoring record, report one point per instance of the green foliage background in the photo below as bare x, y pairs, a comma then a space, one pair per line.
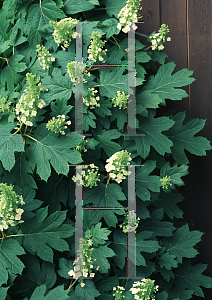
36, 257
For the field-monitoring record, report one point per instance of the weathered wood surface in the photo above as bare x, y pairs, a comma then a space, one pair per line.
190, 24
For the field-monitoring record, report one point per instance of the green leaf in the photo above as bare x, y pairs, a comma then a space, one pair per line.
95, 2
112, 81
99, 235
146, 182
100, 254
167, 274
120, 115
111, 27
88, 292
120, 247
43, 273
58, 86
174, 173
182, 242
181, 294
64, 57
114, 7
191, 278
105, 141
155, 224
54, 294
39, 15
102, 196
65, 267
151, 128
165, 84
159, 56
107, 284
30, 203
9, 249
161, 296
21, 173
72, 7
142, 57
50, 148
182, 136
8, 145
3, 293
88, 120
147, 99
92, 143
41, 234
54, 192
9, 74
168, 202
167, 261
60, 107
104, 108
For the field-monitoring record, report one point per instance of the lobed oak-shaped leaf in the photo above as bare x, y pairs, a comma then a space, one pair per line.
49, 148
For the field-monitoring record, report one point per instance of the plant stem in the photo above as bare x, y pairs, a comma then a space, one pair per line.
70, 286
30, 137
18, 129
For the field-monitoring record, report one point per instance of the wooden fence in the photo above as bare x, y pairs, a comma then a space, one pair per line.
190, 24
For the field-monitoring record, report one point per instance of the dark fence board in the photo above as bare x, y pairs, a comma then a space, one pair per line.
190, 27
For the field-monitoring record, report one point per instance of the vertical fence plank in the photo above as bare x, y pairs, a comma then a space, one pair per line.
174, 14
200, 57
190, 27
151, 18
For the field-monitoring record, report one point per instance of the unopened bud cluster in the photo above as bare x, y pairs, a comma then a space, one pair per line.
91, 99
144, 290
94, 50
89, 176
30, 100
81, 146
64, 31
121, 100
115, 166
128, 15
4, 105
76, 70
44, 57
166, 182
83, 263
157, 39
118, 294
129, 222
58, 125
9, 207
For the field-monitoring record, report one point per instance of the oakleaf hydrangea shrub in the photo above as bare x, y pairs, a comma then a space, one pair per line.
41, 149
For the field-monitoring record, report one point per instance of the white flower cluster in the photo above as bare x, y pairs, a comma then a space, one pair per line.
64, 31
81, 146
129, 218
90, 99
118, 172
94, 50
89, 176
58, 125
30, 100
157, 39
44, 57
120, 100
118, 292
4, 105
144, 290
166, 182
9, 210
73, 69
128, 15
83, 263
